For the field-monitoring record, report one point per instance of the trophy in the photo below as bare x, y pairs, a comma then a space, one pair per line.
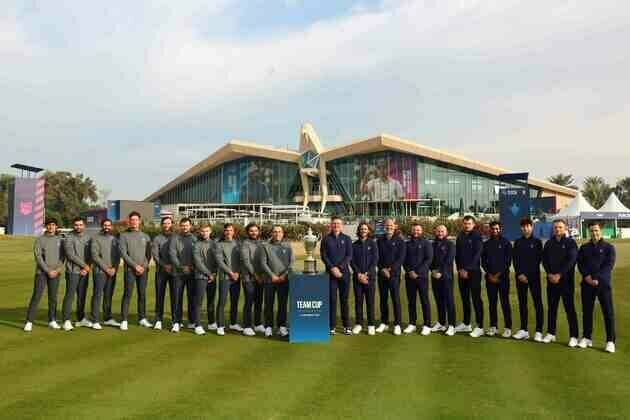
310, 241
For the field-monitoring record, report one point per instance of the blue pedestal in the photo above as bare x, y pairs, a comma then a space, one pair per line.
309, 308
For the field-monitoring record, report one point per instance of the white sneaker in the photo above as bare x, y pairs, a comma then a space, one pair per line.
268, 332
112, 323
507, 333
463, 328
549, 338
491, 332
371, 330
410, 328
259, 328
158, 325
212, 327
347, 331
199, 330
236, 327
573, 342
190, 326
357, 329
450, 331
397, 330
124, 326
220, 330
96, 326
175, 328
144, 323
249, 332
521, 335
610, 347
333, 332
437, 327
283, 331
425, 330
538, 337
28, 327
585, 342
67, 325
83, 323
476, 333
54, 325
382, 328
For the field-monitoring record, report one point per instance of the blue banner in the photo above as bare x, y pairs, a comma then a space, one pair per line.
309, 308
514, 205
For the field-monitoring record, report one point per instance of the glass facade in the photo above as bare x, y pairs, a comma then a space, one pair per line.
388, 177
247, 180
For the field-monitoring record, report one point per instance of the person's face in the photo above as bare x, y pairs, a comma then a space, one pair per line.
134, 222
205, 233
596, 232
416, 231
559, 229
184, 227
336, 226
390, 227
495, 230
277, 234
167, 225
253, 233
381, 172
228, 232
51, 228
468, 225
78, 226
441, 232
364, 231
107, 227
527, 230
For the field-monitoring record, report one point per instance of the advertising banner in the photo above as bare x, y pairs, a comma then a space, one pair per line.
514, 205
309, 308
26, 206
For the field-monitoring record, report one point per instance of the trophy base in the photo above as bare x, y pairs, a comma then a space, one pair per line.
310, 267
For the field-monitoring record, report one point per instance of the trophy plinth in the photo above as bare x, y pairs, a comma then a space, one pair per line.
310, 242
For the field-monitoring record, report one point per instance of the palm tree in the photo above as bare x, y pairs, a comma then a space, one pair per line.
596, 190
566, 180
622, 189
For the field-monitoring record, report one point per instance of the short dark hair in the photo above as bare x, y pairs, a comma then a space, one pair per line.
336, 217
364, 223
204, 226
185, 220
166, 218
228, 225
134, 213
278, 226
469, 217
560, 221
105, 221
78, 219
495, 223
526, 221
416, 224
251, 225
50, 220
594, 223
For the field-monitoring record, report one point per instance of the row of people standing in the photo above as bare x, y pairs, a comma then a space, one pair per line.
199, 266
373, 263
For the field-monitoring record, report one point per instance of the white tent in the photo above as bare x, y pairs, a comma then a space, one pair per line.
613, 205
576, 207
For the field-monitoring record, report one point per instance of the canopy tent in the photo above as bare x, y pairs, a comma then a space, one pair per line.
575, 208
613, 210
613, 205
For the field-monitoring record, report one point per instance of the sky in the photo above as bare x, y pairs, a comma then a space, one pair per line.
132, 94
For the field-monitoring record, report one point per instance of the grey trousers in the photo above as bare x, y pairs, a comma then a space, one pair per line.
40, 282
103, 291
76, 284
140, 282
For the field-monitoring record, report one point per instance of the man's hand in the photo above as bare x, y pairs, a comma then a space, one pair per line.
168, 268
186, 269
233, 275
139, 270
492, 278
553, 278
258, 278
590, 280
83, 272
436, 274
276, 279
210, 278
387, 272
522, 278
463, 274
53, 274
111, 271
336, 272
363, 278
413, 275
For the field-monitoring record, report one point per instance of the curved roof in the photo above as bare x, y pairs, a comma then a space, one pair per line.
236, 149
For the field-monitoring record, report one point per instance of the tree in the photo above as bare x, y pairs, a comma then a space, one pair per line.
596, 190
5, 184
566, 180
622, 189
68, 195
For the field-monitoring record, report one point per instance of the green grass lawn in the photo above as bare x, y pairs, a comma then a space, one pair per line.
149, 374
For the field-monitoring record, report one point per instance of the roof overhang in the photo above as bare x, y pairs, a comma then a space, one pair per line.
234, 149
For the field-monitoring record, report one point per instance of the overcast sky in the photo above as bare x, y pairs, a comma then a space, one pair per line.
132, 93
